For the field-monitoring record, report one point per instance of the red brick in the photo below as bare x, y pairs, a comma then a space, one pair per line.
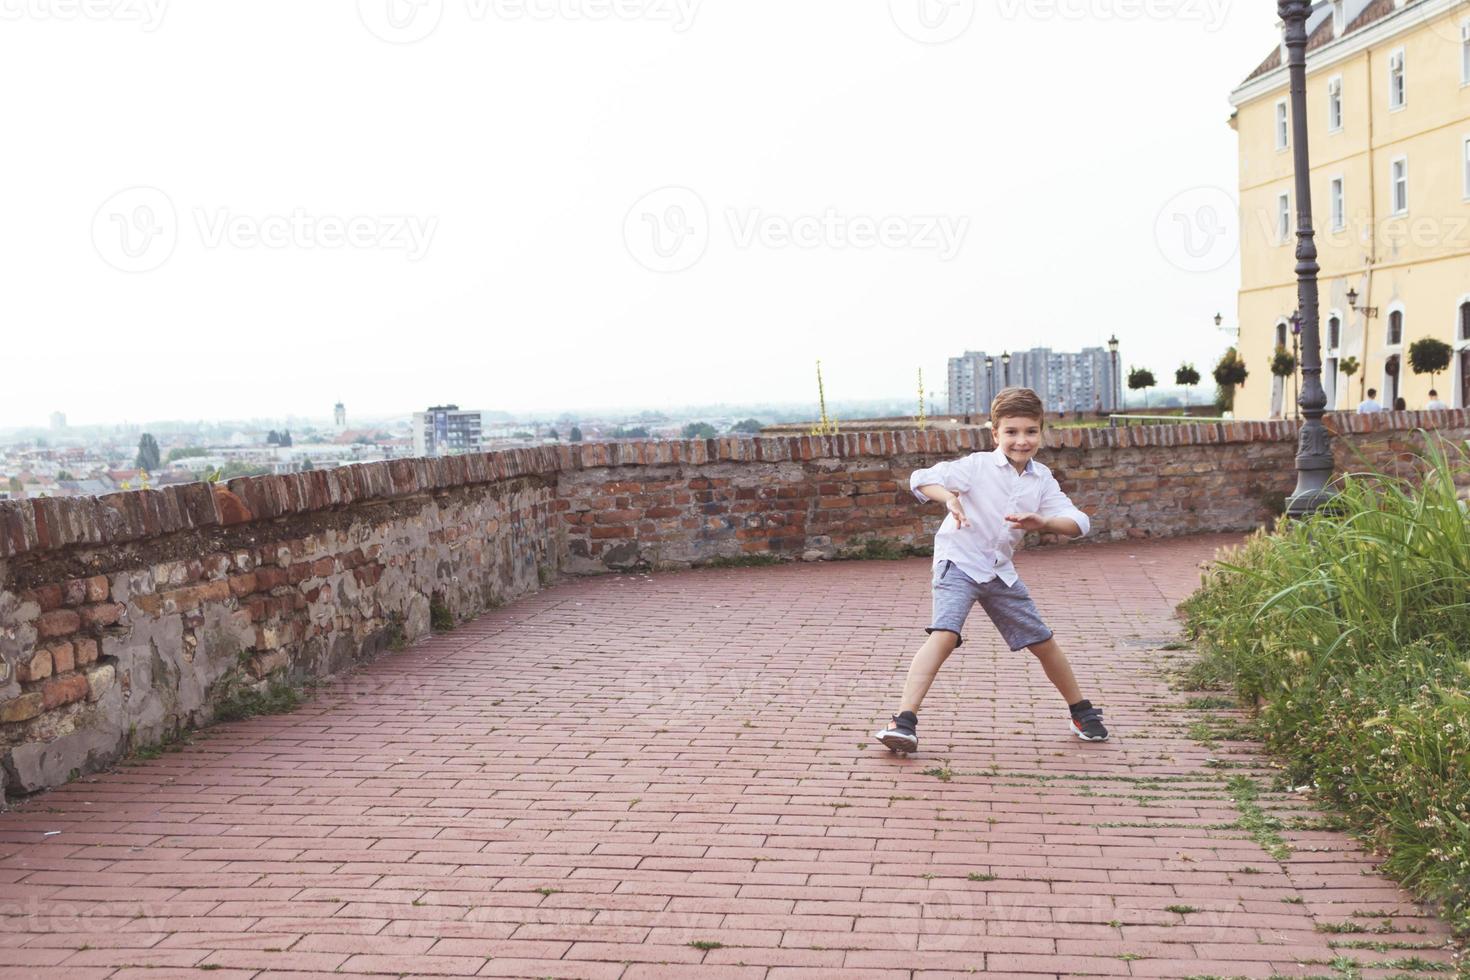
58, 622
269, 578
86, 650
63, 690
23, 708
102, 614
38, 668
48, 597
323, 567
63, 657
242, 585
98, 588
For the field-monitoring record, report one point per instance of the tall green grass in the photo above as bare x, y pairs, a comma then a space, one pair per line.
1352, 630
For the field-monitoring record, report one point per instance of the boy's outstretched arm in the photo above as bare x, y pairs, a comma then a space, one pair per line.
1060, 524
948, 498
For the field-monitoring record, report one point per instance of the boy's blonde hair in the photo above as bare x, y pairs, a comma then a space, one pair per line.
1010, 403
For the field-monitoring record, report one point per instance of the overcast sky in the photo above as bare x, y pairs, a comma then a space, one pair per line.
225, 210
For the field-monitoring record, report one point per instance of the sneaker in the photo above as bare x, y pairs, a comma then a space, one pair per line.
901, 734
1087, 723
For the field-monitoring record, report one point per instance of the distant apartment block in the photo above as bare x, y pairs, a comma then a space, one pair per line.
1081, 381
339, 416
445, 430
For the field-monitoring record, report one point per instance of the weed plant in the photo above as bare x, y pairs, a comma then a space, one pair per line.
1351, 629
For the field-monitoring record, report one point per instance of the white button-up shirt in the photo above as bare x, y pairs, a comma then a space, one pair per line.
989, 488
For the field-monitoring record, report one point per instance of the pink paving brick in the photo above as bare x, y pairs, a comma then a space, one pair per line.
673, 775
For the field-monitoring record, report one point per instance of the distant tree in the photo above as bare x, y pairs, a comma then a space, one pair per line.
636, 432
1229, 374
307, 466
1282, 363
273, 438
15, 486
749, 426
523, 435
185, 452
148, 455
286, 437
553, 435
1141, 378
700, 430
1188, 377
575, 435
64, 475
1429, 355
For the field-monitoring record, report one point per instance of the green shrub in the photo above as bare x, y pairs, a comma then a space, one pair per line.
1351, 628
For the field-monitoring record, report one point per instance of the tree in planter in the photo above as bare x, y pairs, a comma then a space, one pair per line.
1283, 365
1229, 374
1429, 355
1188, 377
1349, 367
1141, 378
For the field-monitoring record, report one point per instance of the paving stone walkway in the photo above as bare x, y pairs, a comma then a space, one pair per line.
673, 776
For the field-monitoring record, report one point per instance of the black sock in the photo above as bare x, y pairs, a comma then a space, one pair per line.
908, 718
1082, 705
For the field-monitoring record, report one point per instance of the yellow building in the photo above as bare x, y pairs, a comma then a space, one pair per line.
1388, 104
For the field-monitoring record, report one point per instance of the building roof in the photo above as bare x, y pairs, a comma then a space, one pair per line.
1359, 14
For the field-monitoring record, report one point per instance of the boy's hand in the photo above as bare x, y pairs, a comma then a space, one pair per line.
953, 504
1027, 522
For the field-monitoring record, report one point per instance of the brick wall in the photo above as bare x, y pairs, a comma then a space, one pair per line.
126, 617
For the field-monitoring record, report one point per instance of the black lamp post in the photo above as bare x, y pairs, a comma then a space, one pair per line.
1005, 360
1117, 392
1296, 360
1314, 442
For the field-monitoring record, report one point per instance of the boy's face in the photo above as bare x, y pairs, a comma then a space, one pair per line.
1019, 438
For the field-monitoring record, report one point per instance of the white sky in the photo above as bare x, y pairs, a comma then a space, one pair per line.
1048, 136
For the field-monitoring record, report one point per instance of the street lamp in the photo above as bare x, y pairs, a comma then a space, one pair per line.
1314, 445
1368, 311
1005, 360
1117, 391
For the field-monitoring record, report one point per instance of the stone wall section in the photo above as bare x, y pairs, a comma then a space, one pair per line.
127, 617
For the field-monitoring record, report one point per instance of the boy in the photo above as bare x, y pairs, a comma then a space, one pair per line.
993, 499
1370, 404
1435, 405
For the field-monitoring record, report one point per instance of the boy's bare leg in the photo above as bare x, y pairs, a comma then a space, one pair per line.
927, 661
1058, 670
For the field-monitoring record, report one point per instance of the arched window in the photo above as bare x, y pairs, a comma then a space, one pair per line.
1396, 328
1280, 335
1465, 321
1334, 332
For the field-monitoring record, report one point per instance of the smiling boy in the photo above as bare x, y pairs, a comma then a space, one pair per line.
993, 499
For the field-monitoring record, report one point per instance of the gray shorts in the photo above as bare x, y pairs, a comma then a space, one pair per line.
1009, 607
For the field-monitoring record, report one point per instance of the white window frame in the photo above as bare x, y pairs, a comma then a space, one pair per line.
1398, 71
1459, 345
1465, 52
1337, 202
1283, 217
1283, 126
1334, 104
1339, 19
1394, 182
1465, 164
1403, 323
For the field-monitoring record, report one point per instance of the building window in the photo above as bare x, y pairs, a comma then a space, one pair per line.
1283, 218
1280, 335
1339, 210
1465, 164
1397, 92
1465, 321
1334, 333
1465, 53
1334, 105
1399, 186
1282, 130
1395, 328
